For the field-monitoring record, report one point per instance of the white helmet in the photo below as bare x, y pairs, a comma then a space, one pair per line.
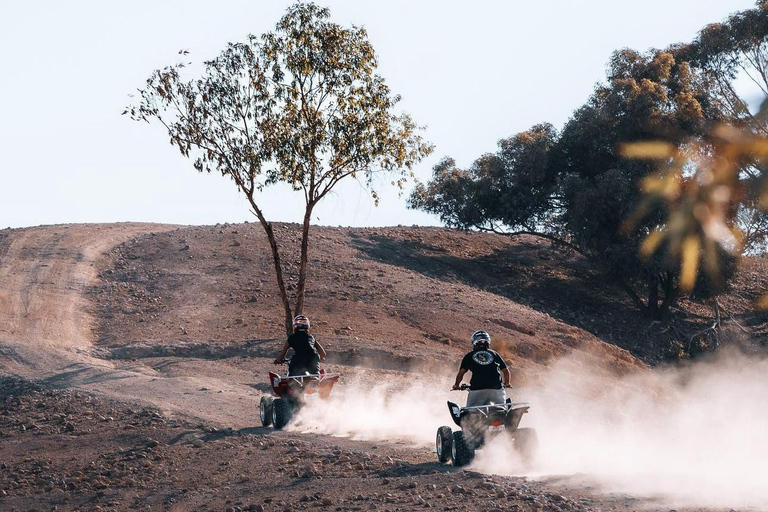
481, 338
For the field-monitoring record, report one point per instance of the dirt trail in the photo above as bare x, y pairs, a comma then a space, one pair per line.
46, 332
44, 274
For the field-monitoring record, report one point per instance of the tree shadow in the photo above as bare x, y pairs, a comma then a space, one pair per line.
531, 273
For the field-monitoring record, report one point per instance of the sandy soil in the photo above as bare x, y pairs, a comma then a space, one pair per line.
133, 356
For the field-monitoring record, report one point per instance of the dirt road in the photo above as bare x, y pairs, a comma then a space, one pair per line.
46, 328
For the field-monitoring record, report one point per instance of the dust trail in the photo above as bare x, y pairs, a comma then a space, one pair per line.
695, 436
692, 436
385, 412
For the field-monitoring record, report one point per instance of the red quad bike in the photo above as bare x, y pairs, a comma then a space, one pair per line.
291, 392
478, 424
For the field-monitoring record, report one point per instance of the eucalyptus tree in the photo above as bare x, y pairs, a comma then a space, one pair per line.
575, 187
302, 105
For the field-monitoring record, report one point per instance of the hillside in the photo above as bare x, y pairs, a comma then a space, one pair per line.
133, 358
414, 293
396, 294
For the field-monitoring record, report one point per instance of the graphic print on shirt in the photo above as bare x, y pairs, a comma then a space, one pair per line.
482, 357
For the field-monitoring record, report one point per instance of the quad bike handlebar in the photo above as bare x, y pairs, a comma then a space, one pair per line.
465, 387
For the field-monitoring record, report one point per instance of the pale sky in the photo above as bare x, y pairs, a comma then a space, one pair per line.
473, 72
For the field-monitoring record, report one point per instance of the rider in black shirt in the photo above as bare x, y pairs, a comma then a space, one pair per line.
307, 351
489, 372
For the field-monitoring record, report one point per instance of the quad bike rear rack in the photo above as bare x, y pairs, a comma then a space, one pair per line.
297, 385
299, 379
486, 410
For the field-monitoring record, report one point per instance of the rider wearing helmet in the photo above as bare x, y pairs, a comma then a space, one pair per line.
307, 351
488, 368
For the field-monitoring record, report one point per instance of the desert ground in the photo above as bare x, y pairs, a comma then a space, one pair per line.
133, 358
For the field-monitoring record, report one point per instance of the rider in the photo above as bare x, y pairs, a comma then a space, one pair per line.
307, 351
487, 369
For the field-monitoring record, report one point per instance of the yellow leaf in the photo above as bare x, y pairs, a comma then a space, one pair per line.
759, 147
690, 263
651, 243
653, 150
763, 303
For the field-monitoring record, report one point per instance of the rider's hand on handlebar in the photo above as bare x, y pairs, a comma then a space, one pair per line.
279, 360
455, 388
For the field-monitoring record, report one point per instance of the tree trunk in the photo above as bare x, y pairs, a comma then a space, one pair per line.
304, 259
632, 295
278, 269
653, 295
670, 293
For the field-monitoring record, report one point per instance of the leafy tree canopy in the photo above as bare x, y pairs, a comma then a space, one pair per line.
301, 105
576, 187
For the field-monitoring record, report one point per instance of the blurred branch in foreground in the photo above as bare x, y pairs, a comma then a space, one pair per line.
700, 184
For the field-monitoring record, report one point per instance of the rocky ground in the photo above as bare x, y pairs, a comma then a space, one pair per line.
132, 358
69, 450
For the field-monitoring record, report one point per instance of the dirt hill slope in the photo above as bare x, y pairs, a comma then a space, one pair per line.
414, 293
134, 392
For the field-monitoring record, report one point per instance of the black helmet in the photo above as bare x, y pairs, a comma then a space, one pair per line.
481, 338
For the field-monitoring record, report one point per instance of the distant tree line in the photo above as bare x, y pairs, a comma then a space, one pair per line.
576, 187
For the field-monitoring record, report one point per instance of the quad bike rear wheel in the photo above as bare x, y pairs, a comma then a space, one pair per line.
527, 444
443, 443
265, 410
461, 451
281, 413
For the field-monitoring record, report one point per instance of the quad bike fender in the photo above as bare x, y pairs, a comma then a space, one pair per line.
278, 388
515, 415
455, 411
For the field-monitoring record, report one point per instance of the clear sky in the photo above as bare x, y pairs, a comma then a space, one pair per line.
473, 72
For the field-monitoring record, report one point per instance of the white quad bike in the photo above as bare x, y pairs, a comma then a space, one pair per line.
478, 424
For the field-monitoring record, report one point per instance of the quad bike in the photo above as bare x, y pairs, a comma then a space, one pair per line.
478, 424
291, 392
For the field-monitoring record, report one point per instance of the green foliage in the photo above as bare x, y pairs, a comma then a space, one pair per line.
510, 189
576, 186
302, 105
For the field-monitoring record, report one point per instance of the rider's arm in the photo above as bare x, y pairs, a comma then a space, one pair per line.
459, 376
506, 376
281, 357
320, 350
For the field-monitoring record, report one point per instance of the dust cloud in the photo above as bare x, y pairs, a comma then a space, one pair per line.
692, 436
383, 411
696, 435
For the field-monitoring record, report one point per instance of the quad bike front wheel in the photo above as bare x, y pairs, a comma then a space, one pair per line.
461, 451
281, 413
443, 443
527, 444
265, 410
